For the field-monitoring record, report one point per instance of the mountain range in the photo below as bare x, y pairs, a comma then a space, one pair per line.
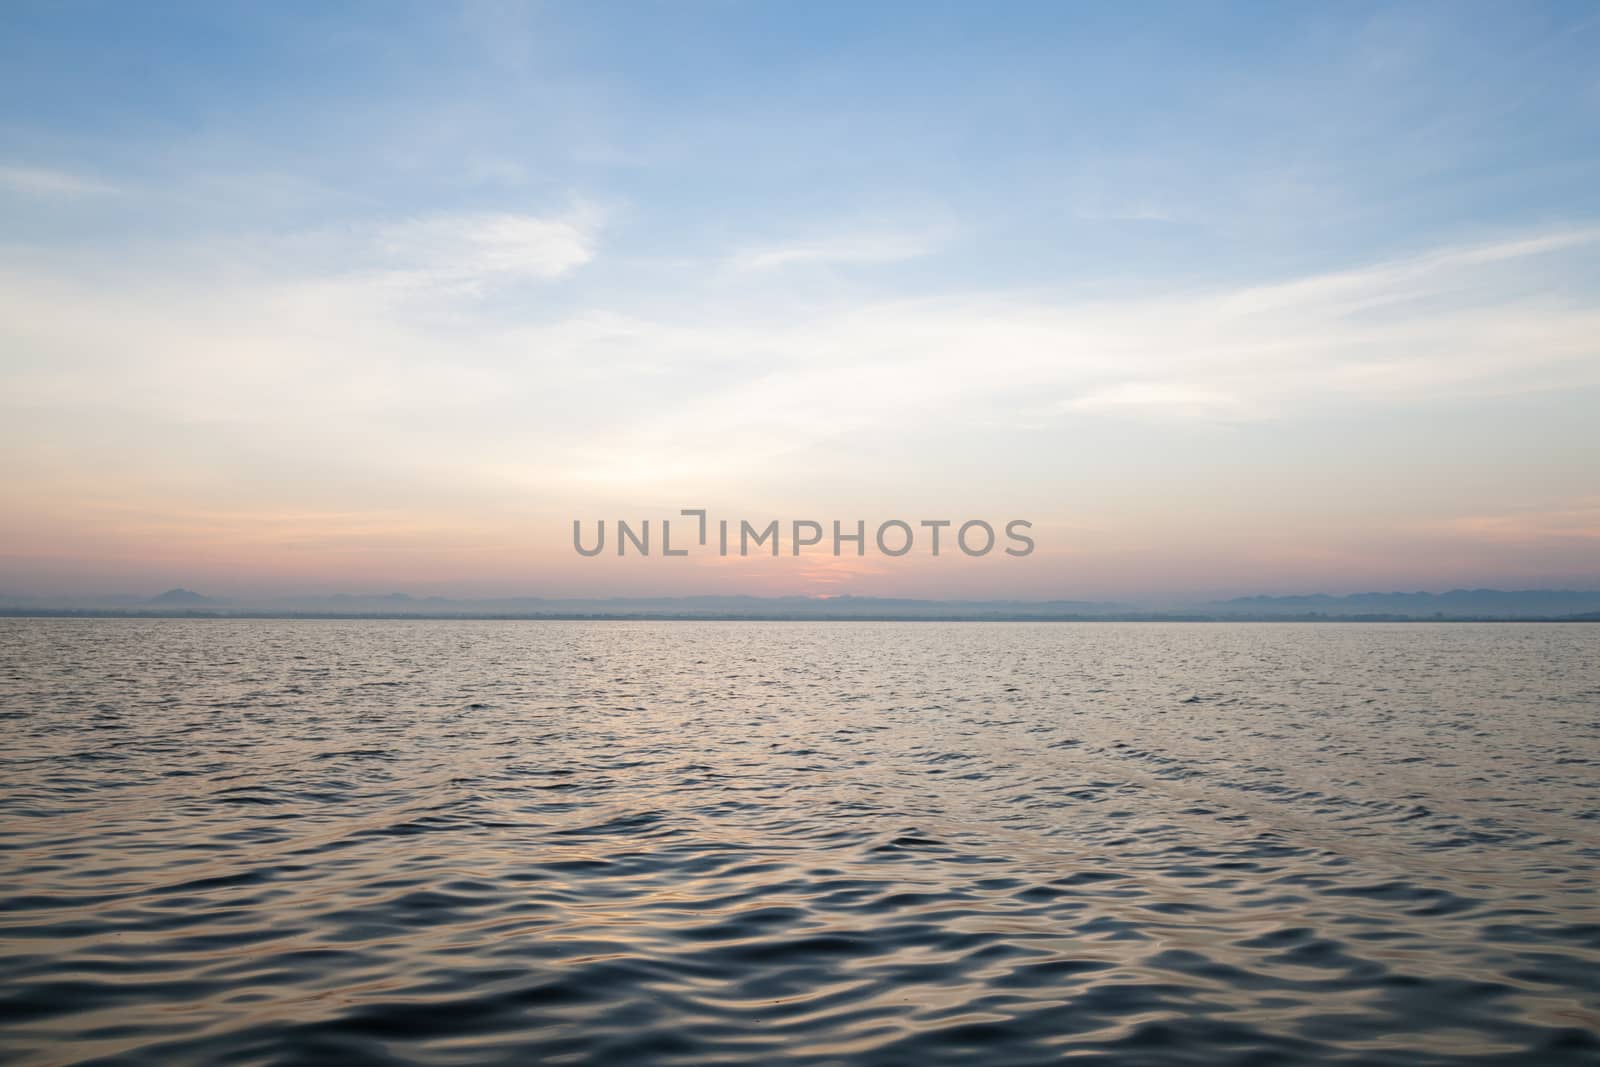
1457, 604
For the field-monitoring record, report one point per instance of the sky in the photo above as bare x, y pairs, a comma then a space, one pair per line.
1223, 298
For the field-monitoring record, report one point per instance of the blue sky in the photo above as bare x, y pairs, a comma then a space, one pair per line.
1224, 297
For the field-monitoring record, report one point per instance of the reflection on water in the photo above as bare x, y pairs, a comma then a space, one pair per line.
483, 842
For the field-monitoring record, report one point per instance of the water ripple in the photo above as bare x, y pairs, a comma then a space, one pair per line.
482, 843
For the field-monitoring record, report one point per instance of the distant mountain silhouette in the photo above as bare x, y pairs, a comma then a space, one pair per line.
180, 598
1456, 604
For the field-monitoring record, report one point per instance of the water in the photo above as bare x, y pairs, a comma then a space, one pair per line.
263, 842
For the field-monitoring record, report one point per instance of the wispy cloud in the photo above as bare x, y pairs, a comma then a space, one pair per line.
519, 397
847, 250
1575, 520
1452, 323
1404, 279
474, 250
46, 182
1162, 400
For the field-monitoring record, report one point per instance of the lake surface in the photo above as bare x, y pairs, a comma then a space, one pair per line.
273, 842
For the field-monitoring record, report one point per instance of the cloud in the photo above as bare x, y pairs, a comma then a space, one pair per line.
627, 387
1576, 520
41, 181
882, 248
1453, 323
1161, 399
475, 250
1404, 279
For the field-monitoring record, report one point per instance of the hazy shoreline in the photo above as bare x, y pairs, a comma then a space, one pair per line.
110, 613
